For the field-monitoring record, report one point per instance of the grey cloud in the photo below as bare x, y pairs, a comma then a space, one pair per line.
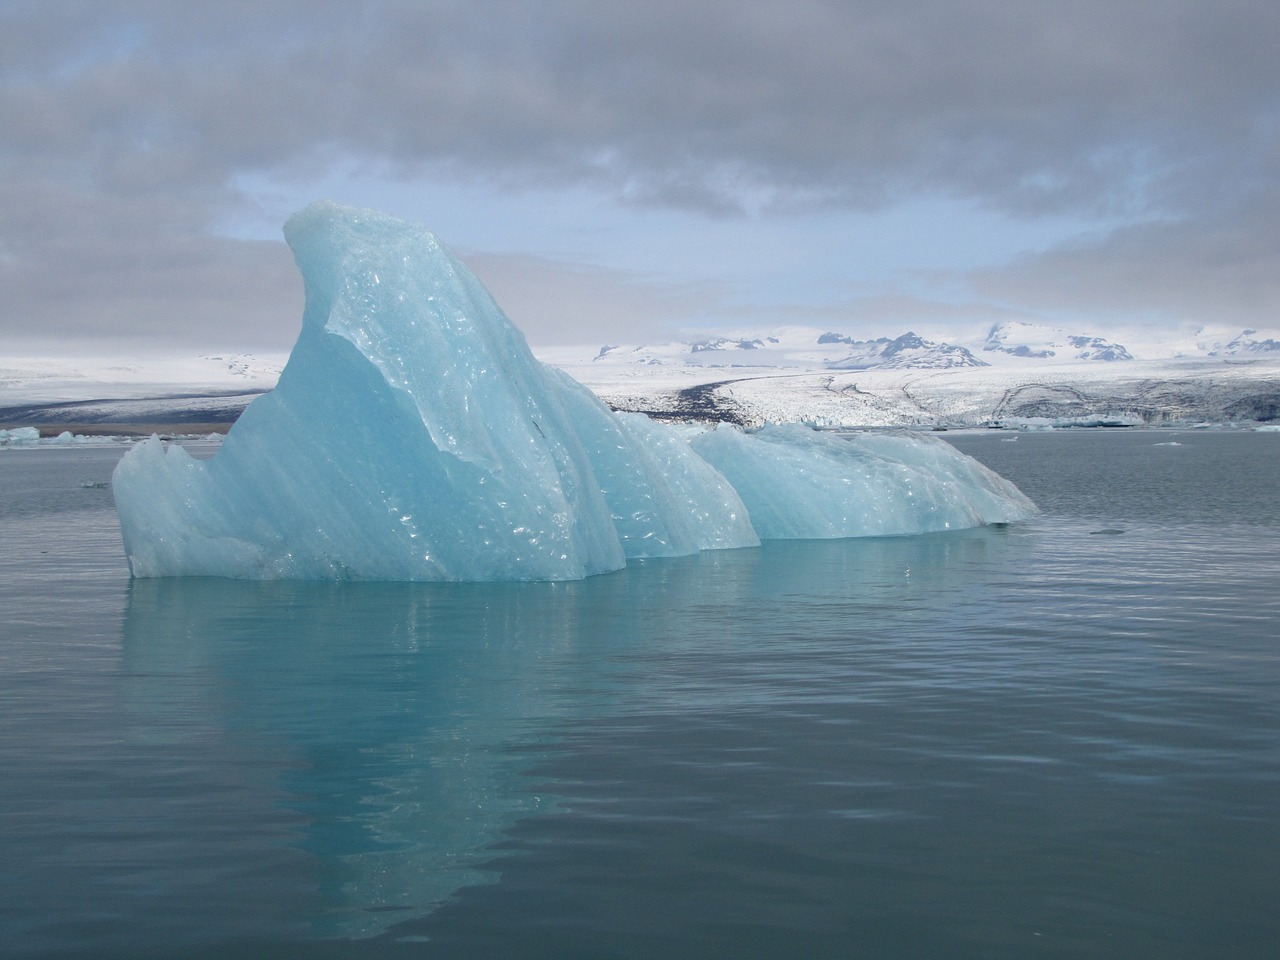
1188, 271
141, 113
95, 270
554, 302
1024, 105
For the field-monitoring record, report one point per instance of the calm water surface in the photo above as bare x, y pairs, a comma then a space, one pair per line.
1053, 739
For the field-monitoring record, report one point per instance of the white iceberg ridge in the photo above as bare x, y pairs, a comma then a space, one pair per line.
413, 436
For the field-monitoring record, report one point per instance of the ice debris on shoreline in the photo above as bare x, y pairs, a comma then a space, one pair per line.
30, 437
413, 436
17, 436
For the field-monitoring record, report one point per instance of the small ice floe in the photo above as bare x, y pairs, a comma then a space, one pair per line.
19, 435
1167, 443
94, 484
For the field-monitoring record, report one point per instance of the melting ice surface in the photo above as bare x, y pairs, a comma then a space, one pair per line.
413, 436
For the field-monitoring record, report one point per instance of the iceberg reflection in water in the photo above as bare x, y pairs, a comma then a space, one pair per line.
373, 736
383, 713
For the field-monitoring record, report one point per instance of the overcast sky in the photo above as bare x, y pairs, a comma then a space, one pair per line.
619, 171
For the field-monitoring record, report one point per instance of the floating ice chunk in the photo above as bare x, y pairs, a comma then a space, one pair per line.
798, 483
19, 435
413, 436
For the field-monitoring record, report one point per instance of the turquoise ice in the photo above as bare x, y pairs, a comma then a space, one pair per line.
798, 483
414, 436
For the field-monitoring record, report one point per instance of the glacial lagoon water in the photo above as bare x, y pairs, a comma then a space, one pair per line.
1059, 738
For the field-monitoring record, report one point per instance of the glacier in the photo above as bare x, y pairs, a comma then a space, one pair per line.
413, 436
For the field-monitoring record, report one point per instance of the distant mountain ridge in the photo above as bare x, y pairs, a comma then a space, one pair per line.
1246, 346
907, 351
834, 351
1039, 342
1004, 343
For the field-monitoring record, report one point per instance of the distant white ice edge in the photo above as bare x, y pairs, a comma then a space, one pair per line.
413, 436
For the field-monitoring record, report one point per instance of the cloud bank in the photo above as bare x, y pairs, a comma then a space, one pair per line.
129, 126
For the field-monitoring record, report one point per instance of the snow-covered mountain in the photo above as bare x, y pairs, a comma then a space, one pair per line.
1246, 345
1032, 341
1007, 343
799, 346
907, 351
1002, 344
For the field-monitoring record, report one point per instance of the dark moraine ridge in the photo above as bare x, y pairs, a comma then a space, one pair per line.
701, 404
195, 412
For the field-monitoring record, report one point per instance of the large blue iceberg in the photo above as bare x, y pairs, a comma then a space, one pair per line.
413, 436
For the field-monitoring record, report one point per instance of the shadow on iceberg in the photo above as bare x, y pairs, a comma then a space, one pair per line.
413, 436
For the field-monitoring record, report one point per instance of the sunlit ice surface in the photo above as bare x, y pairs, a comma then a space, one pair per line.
413, 436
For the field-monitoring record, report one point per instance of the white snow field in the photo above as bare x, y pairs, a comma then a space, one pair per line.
828, 379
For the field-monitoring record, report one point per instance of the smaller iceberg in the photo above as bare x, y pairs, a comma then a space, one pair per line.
413, 436
19, 435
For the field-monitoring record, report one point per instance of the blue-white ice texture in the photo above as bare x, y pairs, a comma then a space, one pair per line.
413, 436
800, 483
